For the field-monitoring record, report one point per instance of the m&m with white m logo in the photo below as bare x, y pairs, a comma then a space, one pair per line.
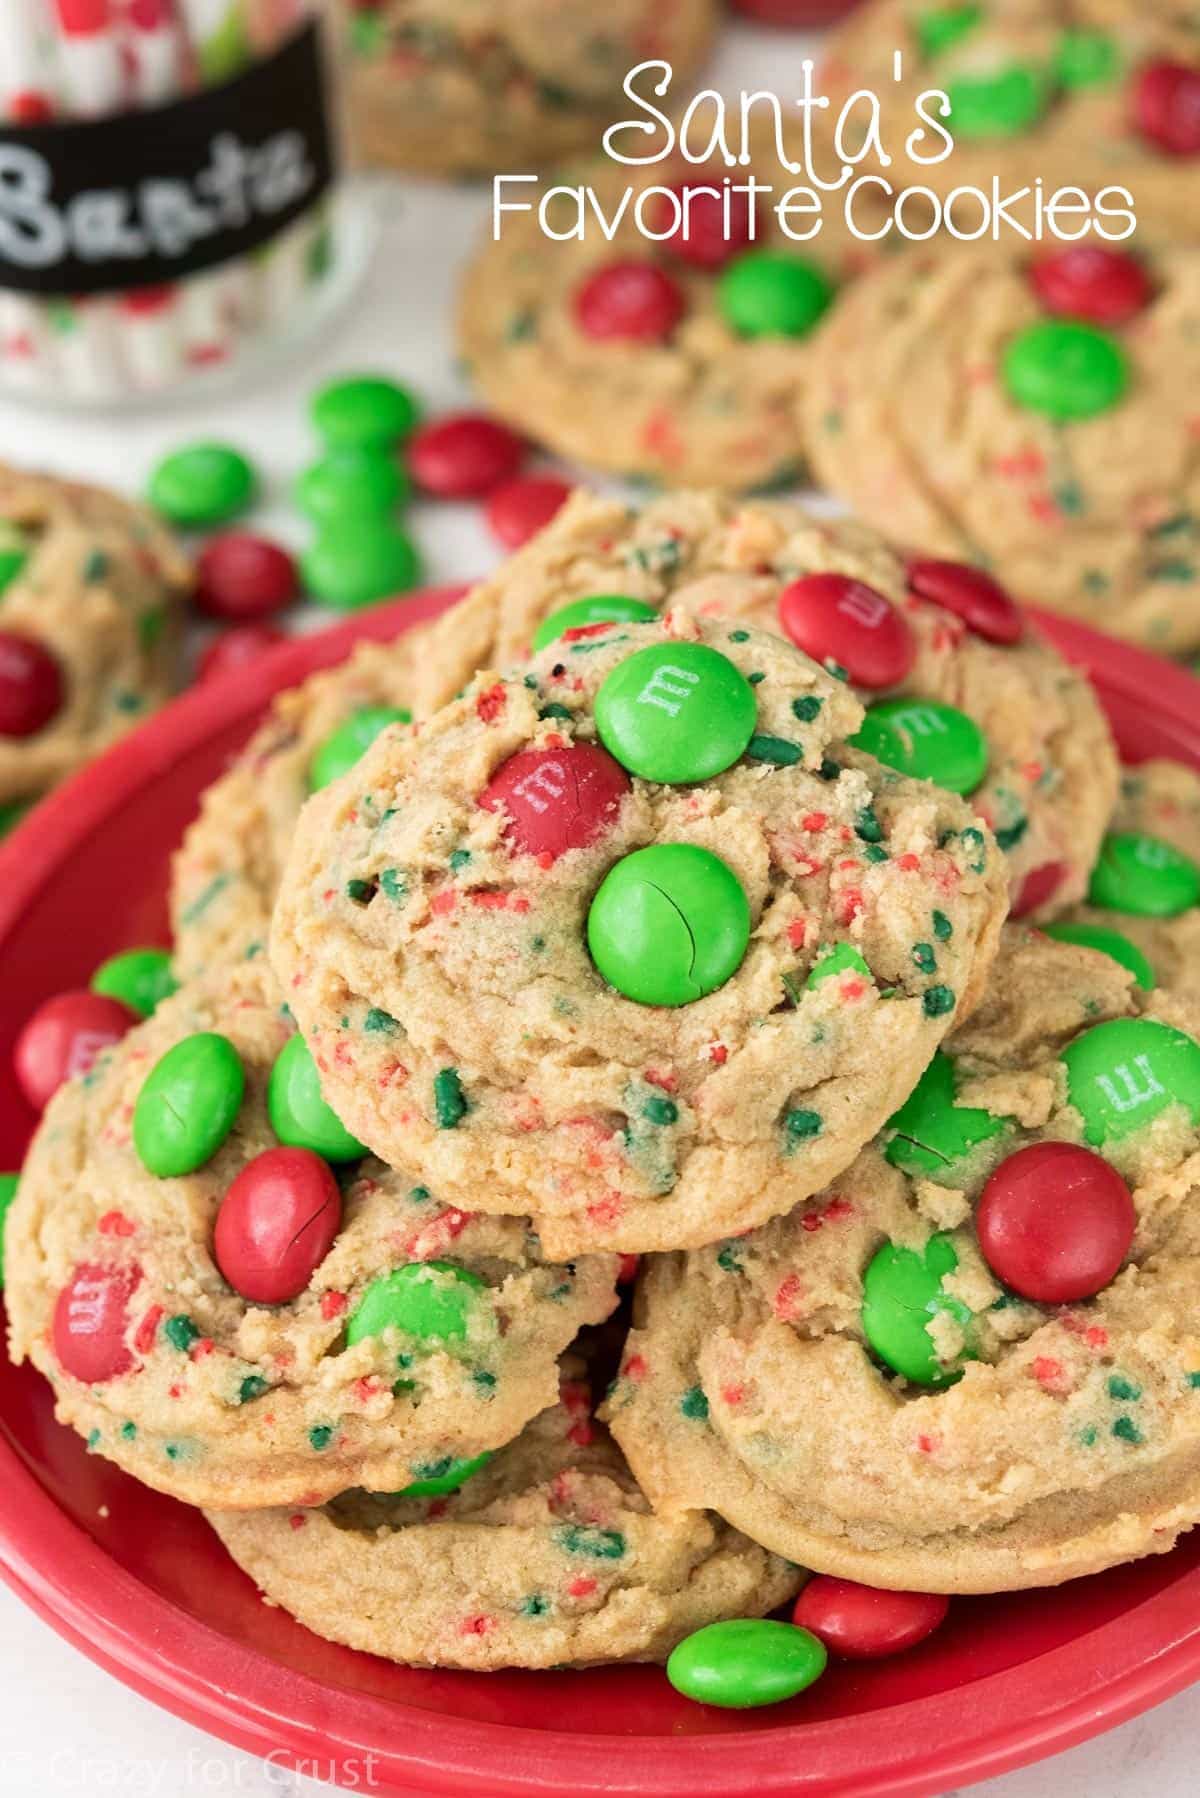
676, 712
1124, 1074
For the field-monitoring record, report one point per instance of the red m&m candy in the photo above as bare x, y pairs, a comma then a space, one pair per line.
240, 575
714, 223
63, 1038
91, 1322
237, 648
862, 1623
556, 799
635, 301
518, 510
31, 685
464, 456
276, 1224
836, 619
1055, 1222
1038, 888
1166, 106
1104, 286
970, 594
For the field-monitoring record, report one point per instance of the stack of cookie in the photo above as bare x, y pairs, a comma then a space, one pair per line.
642, 923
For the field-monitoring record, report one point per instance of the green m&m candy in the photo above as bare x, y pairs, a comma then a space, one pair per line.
364, 411
843, 958
1106, 942
351, 483
1123, 1074
8, 1192
300, 1116
1143, 876
939, 28
768, 293
746, 1662
140, 978
1065, 369
1001, 104
448, 1477
343, 747
14, 553
926, 740
669, 924
932, 1133
597, 608
1087, 59
203, 484
188, 1104
429, 1299
902, 1294
353, 562
676, 712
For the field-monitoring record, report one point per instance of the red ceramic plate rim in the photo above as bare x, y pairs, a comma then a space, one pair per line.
1036, 1708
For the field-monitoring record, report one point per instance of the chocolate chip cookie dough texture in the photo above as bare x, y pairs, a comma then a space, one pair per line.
90, 594
1079, 94
550, 1556
970, 404
1143, 902
936, 1374
485, 87
656, 971
680, 361
238, 1306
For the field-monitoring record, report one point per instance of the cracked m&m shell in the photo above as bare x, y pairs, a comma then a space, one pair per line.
669, 924
1123, 1074
595, 608
836, 619
971, 594
276, 1224
63, 1038
926, 740
1143, 876
676, 712
932, 1132
31, 685
556, 799
1055, 1223
188, 1104
863, 1623
91, 1322
903, 1293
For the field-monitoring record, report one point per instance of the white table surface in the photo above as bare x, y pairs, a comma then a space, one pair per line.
68, 1730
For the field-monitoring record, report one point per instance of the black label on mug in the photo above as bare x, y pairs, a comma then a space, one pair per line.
144, 198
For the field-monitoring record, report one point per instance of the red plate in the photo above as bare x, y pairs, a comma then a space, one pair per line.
140, 1584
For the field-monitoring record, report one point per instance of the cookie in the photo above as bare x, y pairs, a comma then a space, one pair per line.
548, 1557
956, 409
1049, 94
240, 1327
1144, 898
91, 589
681, 363
1051, 776
786, 930
972, 1363
481, 87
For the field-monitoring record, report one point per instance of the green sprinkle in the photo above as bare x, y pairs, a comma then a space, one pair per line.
418, 1194
1089, 1435
806, 708
253, 1386
449, 1100
693, 1404
1127, 1431
739, 636
937, 1001
942, 927
924, 957
1009, 835
380, 1022
774, 749
829, 770
1120, 1387
96, 566
394, 885
93, 1438
534, 1606
128, 1431
554, 710
875, 852
800, 1125
361, 891
180, 1332
459, 859
320, 1436
485, 1381
597, 1544
660, 1111
728, 1262
1193, 1380
867, 825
